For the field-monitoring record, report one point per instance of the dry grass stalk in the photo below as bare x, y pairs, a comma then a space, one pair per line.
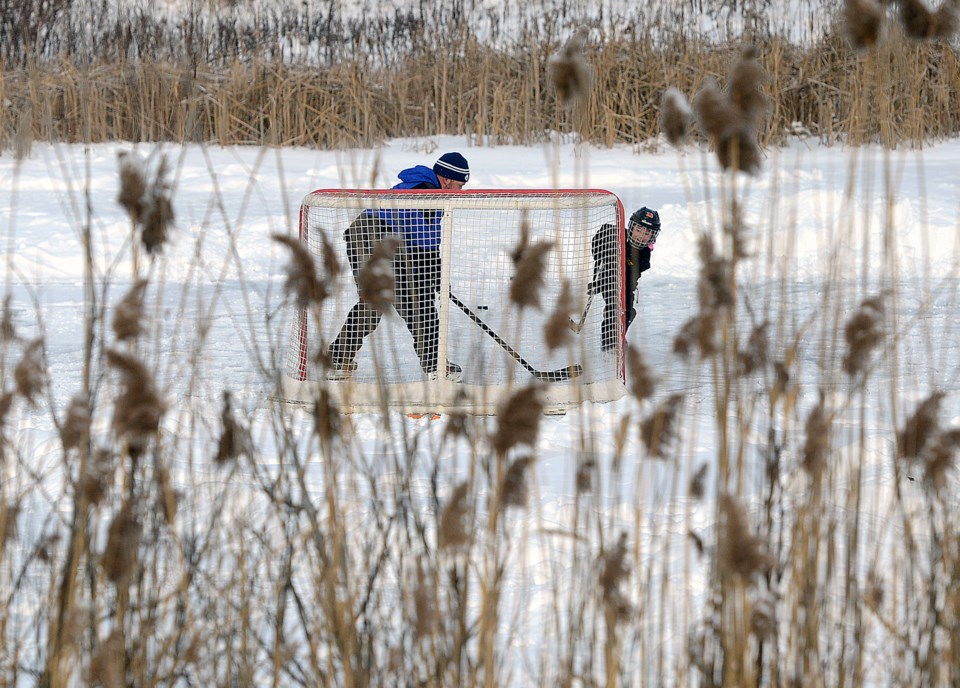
30, 374
642, 380
76, 425
658, 430
168, 497
518, 419
376, 279
8, 524
557, 332
920, 428
138, 408
921, 23
455, 531
739, 551
513, 492
568, 71
120, 556
426, 614
302, 280
862, 333
128, 315
6, 402
862, 20
675, 116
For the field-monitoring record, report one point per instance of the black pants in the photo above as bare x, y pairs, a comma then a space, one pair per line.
417, 277
611, 312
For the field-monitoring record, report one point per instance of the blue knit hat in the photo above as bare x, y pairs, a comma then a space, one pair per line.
453, 166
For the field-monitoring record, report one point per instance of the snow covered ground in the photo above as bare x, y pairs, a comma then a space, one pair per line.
817, 219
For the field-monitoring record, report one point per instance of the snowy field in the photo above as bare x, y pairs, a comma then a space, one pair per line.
817, 220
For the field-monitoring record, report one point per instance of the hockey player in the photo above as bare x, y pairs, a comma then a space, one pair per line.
641, 234
416, 268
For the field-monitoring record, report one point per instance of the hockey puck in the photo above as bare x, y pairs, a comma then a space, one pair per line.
483, 308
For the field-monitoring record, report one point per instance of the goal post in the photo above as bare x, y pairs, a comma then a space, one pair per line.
452, 304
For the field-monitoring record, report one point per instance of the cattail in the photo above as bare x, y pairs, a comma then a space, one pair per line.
528, 280
107, 665
746, 77
817, 440
614, 568
7, 331
168, 496
128, 315
940, 458
376, 280
98, 477
302, 280
326, 416
738, 550
557, 332
717, 116
569, 72
76, 425
454, 520
514, 490
657, 431
753, 356
862, 20
920, 428
642, 381
123, 539
675, 116
8, 523
739, 152
920, 23
234, 438
137, 408
863, 332
518, 419
133, 184
30, 373
425, 604
696, 489
156, 211
584, 479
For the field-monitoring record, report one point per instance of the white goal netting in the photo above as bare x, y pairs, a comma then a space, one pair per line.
454, 339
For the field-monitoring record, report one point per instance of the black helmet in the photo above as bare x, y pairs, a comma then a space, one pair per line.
645, 217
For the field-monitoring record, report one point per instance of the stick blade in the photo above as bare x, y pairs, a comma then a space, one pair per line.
561, 375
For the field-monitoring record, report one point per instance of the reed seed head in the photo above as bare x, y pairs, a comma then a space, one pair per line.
675, 116
514, 490
518, 419
455, 529
302, 281
817, 441
921, 23
137, 408
940, 458
557, 332
862, 20
234, 440
30, 374
697, 482
642, 380
920, 428
7, 331
133, 184
119, 559
528, 281
738, 550
568, 71
658, 430
863, 332
717, 116
76, 425
747, 76
129, 313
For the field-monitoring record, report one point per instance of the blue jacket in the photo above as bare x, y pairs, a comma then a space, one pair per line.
420, 228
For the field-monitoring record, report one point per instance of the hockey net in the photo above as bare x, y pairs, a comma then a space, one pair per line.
498, 345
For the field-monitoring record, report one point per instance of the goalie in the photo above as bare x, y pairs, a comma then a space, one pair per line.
641, 234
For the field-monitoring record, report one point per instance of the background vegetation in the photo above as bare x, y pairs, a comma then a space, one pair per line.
245, 73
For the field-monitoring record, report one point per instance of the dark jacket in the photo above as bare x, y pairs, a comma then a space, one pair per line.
420, 228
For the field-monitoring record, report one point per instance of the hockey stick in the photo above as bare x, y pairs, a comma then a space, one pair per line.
577, 325
559, 375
